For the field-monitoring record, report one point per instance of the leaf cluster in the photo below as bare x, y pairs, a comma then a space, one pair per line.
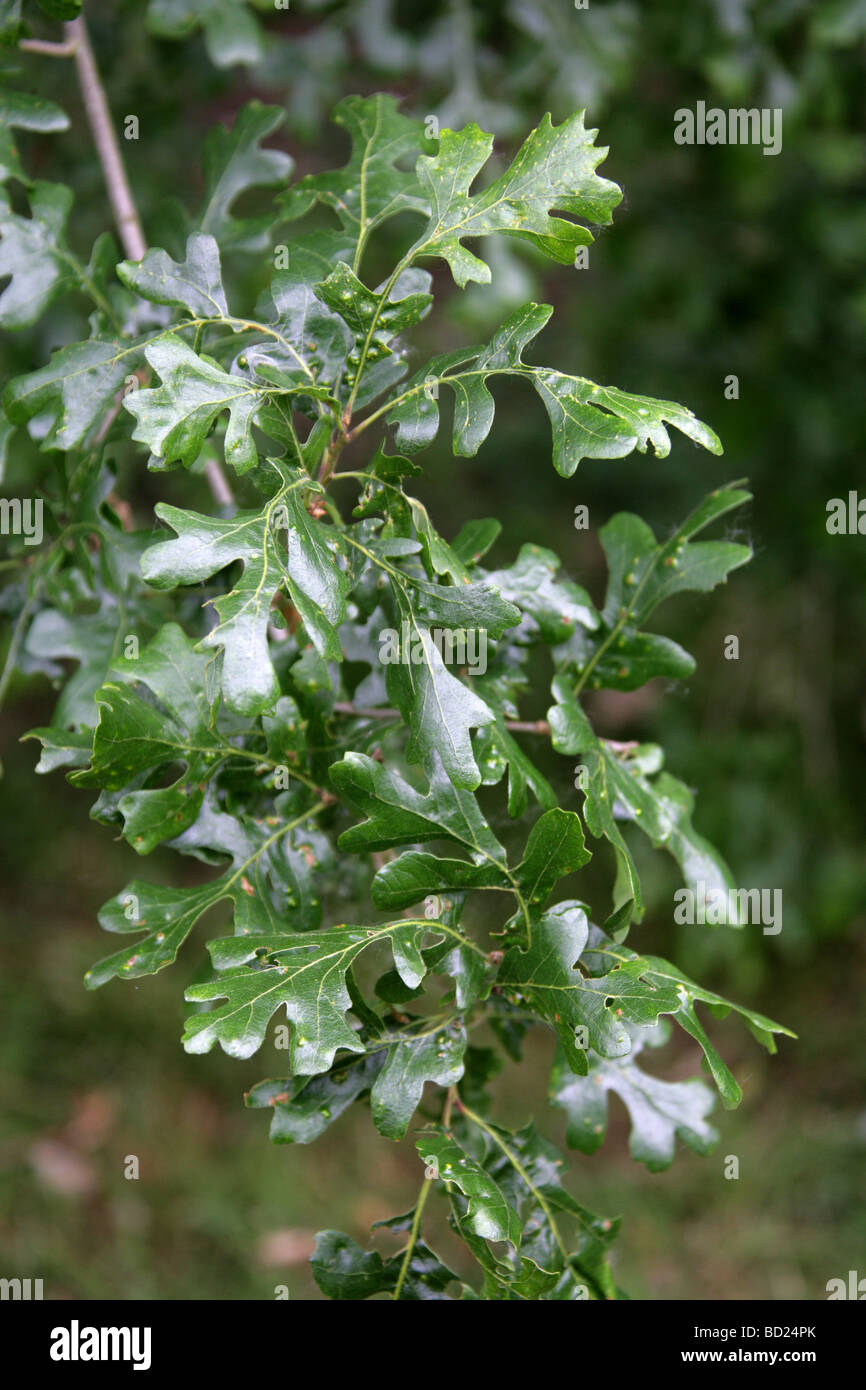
263, 686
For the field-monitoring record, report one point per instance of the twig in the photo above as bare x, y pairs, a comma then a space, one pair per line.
450, 1097
218, 484
119, 193
109, 420
519, 726
49, 49
516, 726
329, 459
105, 139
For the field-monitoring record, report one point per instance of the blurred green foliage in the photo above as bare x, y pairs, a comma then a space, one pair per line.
720, 261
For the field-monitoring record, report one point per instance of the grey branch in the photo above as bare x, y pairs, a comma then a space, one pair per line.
105, 139
119, 192
47, 48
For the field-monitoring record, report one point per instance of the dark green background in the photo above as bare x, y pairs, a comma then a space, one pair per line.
720, 261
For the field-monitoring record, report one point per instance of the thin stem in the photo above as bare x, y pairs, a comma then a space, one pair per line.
383, 300
519, 726
520, 1170
615, 631
105, 139
450, 1097
119, 192
329, 459
433, 925
218, 484
49, 49
413, 1237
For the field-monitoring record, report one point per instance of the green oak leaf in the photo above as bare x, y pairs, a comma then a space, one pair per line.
698, 860
414, 875
528, 1171
316, 584
303, 1107
587, 421
471, 970
555, 847
610, 793
642, 573
259, 882
133, 737
231, 34
306, 568
520, 1280
24, 111
371, 187
439, 708
374, 323
61, 747
479, 607
626, 661
398, 814
75, 391
343, 1270
590, 421
306, 975
309, 344
548, 978
604, 955
555, 605
34, 254
397, 1090
660, 1111
552, 172
175, 419
475, 539
205, 545
489, 1215
234, 162
616, 791
194, 284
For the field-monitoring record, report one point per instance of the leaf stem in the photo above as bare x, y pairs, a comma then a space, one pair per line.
450, 1097
520, 1170
383, 300
413, 1237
